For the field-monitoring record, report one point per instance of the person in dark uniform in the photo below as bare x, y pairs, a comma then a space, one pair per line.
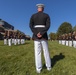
74, 39
18, 38
66, 37
5, 38
15, 38
60, 39
22, 39
9, 38
70, 40
39, 25
12, 37
63, 39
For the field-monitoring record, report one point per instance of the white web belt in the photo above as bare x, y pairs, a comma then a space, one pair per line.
39, 26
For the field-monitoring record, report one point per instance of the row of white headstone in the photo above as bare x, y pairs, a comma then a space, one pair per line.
9, 42
71, 43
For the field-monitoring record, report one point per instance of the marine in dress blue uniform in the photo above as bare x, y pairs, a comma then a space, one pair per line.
9, 39
70, 40
15, 39
74, 39
66, 37
63, 39
18, 39
5, 39
39, 25
60, 40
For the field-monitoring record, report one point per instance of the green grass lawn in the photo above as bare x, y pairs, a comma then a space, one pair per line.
19, 60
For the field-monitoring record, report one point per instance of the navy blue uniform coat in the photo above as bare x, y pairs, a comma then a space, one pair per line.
40, 18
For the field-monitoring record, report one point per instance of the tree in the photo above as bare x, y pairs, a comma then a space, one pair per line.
74, 28
64, 28
52, 36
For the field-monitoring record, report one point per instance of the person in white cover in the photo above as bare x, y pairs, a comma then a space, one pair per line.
39, 25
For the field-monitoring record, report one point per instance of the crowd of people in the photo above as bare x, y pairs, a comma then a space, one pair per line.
13, 38
68, 39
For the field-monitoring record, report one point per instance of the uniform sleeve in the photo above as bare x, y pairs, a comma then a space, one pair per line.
32, 26
44, 30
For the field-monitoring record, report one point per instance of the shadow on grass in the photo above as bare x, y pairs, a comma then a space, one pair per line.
57, 58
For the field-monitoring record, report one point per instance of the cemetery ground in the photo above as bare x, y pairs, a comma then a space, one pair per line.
19, 60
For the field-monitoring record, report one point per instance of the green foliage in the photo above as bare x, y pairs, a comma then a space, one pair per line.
52, 36
74, 28
64, 28
19, 60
